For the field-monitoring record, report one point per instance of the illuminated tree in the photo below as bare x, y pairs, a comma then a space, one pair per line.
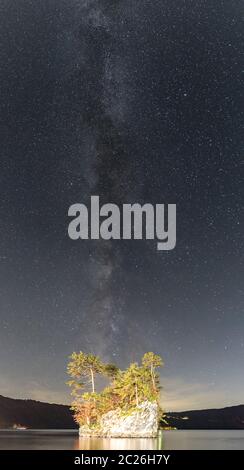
152, 361
127, 389
83, 368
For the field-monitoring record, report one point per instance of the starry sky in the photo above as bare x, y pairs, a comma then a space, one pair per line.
134, 101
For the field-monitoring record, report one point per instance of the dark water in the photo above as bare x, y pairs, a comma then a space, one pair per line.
169, 440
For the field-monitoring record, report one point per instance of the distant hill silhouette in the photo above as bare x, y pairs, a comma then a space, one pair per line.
37, 415
34, 414
223, 418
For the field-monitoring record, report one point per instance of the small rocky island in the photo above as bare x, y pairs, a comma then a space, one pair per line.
127, 407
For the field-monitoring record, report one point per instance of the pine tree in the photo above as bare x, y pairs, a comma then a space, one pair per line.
152, 361
83, 368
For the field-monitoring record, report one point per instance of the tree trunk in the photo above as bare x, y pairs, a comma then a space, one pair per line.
153, 379
92, 381
137, 400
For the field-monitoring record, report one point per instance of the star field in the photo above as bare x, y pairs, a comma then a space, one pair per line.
135, 101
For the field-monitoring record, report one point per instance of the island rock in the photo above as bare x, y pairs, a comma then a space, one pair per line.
141, 422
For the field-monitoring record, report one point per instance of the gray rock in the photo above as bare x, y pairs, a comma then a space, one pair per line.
143, 422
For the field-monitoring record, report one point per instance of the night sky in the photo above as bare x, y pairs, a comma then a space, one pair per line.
134, 101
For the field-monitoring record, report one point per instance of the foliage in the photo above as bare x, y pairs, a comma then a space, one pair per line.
126, 390
83, 369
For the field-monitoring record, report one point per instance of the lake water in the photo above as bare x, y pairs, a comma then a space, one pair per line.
168, 440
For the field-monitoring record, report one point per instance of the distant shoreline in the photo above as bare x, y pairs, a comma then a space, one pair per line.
43, 417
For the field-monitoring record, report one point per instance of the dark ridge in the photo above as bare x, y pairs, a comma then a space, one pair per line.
224, 418
34, 415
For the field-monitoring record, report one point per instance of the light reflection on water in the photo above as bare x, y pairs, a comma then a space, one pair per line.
167, 440
119, 444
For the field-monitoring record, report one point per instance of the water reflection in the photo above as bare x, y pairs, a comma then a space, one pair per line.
57, 440
119, 444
